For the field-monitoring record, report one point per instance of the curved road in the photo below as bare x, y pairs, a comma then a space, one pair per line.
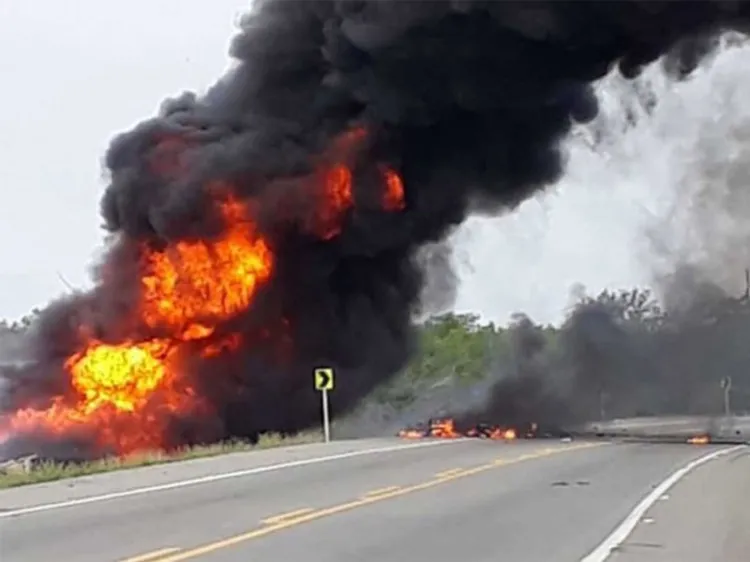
375, 500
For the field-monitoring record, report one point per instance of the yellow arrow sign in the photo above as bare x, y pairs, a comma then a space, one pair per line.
324, 379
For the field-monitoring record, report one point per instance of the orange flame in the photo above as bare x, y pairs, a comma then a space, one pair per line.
500, 433
411, 434
393, 200
196, 280
121, 391
122, 376
114, 383
337, 199
188, 289
445, 428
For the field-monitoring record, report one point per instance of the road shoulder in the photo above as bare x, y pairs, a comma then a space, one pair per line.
191, 471
703, 518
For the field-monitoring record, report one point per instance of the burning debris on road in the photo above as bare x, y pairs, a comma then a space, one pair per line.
446, 428
274, 223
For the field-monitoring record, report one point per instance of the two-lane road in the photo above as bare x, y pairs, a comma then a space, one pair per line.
467, 501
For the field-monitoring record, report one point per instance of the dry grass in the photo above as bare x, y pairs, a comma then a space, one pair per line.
50, 471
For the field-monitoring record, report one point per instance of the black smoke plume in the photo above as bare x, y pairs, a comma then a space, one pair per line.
620, 355
467, 100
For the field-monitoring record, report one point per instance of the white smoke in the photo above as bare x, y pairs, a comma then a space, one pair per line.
657, 181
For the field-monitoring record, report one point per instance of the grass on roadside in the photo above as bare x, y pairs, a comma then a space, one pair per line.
50, 471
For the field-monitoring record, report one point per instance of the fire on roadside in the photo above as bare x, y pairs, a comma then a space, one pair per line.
123, 393
699, 440
446, 428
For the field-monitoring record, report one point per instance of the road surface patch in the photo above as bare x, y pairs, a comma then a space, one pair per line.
222, 544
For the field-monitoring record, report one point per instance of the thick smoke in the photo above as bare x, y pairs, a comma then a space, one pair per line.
621, 355
468, 101
633, 353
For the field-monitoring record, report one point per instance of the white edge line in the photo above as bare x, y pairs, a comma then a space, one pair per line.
216, 478
623, 530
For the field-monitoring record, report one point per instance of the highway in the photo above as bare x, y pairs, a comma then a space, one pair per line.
375, 500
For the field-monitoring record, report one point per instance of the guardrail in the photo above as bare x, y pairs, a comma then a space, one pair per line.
717, 428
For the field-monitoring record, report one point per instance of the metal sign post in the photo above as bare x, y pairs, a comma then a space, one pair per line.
326, 418
324, 381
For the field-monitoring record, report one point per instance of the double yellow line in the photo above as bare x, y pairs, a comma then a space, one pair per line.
305, 515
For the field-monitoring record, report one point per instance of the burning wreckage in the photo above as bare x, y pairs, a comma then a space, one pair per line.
697, 430
447, 428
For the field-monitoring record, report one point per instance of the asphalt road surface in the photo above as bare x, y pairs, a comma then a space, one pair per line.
464, 501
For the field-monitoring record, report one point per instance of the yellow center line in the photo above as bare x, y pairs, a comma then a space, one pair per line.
288, 515
152, 556
543, 453
449, 472
348, 506
381, 491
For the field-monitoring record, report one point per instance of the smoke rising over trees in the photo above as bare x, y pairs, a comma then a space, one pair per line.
618, 354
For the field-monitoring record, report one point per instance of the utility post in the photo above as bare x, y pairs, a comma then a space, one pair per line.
603, 401
726, 385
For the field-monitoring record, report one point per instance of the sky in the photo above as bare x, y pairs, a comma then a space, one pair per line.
77, 73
